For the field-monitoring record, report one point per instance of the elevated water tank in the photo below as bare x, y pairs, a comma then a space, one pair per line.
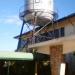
42, 9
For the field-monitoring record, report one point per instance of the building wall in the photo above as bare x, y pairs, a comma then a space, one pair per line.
65, 27
69, 30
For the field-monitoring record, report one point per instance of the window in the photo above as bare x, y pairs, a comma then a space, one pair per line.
62, 32
59, 32
56, 33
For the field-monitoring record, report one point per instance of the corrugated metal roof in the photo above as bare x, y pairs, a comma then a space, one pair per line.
16, 56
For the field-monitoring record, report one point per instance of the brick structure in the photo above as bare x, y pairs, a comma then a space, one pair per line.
56, 58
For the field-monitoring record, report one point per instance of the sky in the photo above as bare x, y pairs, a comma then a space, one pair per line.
10, 24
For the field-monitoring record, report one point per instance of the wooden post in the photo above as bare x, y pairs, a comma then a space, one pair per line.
56, 58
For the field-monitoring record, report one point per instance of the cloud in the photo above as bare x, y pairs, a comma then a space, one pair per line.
14, 20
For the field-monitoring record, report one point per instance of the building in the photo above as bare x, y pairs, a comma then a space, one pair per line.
56, 40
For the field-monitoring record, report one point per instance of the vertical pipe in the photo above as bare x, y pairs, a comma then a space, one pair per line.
35, 21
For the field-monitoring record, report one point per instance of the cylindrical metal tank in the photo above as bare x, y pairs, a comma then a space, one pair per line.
42, 9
